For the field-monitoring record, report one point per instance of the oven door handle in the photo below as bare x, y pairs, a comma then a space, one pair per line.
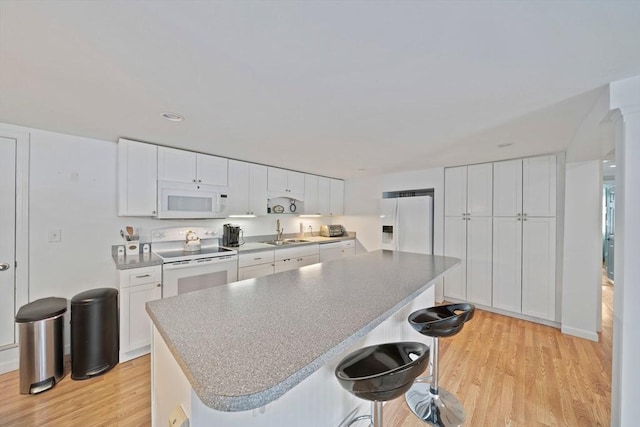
198, 262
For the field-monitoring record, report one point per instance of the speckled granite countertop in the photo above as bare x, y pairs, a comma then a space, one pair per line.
136, 261
244, 345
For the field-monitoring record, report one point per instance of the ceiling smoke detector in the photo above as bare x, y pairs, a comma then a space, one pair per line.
173, 117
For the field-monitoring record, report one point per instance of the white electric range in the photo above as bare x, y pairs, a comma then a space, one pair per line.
185, 269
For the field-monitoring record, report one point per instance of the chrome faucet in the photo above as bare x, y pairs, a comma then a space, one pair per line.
279, 230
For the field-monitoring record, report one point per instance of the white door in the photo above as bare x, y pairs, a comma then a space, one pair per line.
336, 201
479, 238
176, 165
8, 240
507, 263
414, 222
507, 188
455, 191
238, 188
212, 170
455, 245
539, 267
480, 189
258, 189
539, 186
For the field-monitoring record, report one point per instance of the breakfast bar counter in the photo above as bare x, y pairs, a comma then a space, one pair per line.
246, 344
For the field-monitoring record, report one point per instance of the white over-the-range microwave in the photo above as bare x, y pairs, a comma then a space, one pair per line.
184, 200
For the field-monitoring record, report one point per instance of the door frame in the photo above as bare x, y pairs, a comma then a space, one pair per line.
23, 140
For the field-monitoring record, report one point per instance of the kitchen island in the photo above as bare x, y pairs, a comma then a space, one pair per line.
262, 351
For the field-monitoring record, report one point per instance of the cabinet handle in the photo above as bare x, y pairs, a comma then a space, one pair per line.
194, 180
524, 219
144, 275
199, 180
256, 259
518, 219
158, 285
153, 212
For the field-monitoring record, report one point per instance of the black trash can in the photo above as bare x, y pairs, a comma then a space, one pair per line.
94, 332
40, 328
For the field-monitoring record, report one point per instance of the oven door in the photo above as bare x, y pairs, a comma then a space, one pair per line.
194, 275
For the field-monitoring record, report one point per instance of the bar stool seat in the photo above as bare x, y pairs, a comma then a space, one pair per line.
430, 403
382, 372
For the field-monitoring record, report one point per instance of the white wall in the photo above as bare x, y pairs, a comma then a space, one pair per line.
625, 393
582, 249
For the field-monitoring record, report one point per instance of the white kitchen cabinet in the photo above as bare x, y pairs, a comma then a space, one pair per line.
187, 166
137, 287
538, 267
311, 206
255, 264
455, 243
479, 241
468, 232
137, 175
296, 256
507, 263
247, 188
285, 183
525, 187
336, 200
324, 195
337, 250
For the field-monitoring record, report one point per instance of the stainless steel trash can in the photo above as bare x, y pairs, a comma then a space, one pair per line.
40, 329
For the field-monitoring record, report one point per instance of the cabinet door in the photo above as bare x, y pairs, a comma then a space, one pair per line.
507, 188
324, 195
455, 191
480, 189
507, 263
479, 238
255, 271
538, 267
176, 165
136, 324
277, 180
311, 194
455, 245
336, 205
137, 175
308, 260
539, 186
285, 265
239, 188
212, 170
258, 189
295, 184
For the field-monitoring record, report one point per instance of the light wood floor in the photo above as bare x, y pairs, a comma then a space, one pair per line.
506, 372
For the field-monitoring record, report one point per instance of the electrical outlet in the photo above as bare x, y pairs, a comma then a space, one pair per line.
55, 235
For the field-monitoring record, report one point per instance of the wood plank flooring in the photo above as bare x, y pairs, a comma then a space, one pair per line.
506, 372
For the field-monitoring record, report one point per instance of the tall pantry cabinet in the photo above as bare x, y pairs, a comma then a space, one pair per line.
524, 236
468, 195
508, 247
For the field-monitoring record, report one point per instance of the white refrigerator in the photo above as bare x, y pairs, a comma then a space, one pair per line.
407, 224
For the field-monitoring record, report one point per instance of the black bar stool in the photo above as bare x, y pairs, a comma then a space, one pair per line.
381, 372
428, 402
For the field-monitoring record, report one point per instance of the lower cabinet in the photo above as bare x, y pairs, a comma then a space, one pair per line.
524, 260
255, 264
336, 250
137, 287
295, 257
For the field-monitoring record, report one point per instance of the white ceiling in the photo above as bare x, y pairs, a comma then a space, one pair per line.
327, 87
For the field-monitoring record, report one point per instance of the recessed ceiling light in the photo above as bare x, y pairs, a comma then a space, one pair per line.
173, 117
612, 166
606, 161
505, 145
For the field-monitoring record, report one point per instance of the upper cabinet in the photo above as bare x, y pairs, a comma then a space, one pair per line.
311, 206
336, 201
187, 166
468, 190
525, 187
285, 183
137, 174
247, 188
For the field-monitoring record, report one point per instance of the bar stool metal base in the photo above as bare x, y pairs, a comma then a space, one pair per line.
442, 410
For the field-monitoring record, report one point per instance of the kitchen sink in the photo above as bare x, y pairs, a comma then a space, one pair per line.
285, 241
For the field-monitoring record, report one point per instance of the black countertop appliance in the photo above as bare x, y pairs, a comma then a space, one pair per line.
230, 235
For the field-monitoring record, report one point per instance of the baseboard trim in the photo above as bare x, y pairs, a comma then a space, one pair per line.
580, 333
